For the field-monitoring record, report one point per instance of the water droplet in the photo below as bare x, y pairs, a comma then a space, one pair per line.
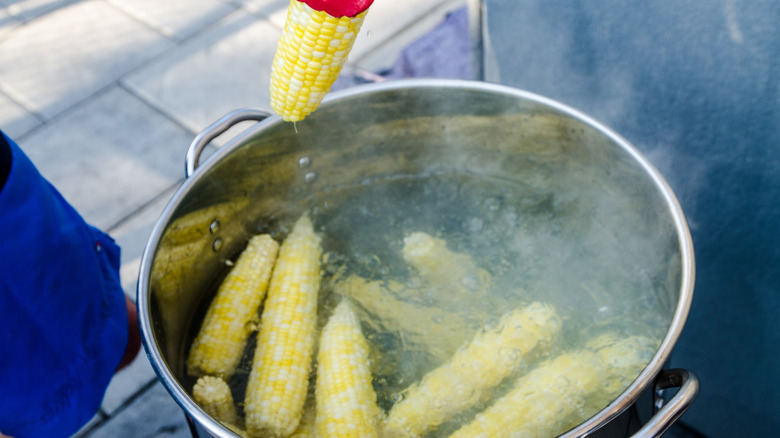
310, 177
304, 163
368, 34
214, 227
217, 245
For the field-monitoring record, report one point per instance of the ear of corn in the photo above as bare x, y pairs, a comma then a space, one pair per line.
437, 331
278, 381
346, 402
220, 342
541, 400
473, 371
311, 52
213, 395
457, 273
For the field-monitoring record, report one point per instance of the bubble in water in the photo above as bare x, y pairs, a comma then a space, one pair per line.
475, 225
493, 204
217, 245
492, 324
471, 282
304, 163
310, 177
214, 226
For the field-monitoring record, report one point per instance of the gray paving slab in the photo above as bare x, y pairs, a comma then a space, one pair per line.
27, 10
7, 22
224, 68
59, 59
153, 413
110, 156
15, 121
95, 422
127, 383
177, 19
274, 10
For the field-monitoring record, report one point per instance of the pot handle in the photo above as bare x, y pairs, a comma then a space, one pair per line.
215, 130
667, 413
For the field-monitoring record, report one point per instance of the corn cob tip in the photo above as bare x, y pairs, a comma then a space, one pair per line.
213, 395
346, 401
311, 52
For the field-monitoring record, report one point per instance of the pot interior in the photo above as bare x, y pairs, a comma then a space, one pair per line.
552, 206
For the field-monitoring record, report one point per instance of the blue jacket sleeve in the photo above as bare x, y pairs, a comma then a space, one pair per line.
63, 320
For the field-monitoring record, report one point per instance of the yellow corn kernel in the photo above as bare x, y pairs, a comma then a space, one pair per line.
213, 395
278, 381
443, 268
311, 52
437, 331
346, 402
474, 370
540, 401
219, 344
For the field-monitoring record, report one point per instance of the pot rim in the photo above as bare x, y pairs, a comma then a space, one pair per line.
615, 408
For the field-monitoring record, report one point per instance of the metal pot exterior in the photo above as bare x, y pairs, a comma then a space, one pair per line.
357, 135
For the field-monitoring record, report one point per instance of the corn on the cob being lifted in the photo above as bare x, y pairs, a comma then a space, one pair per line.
278, 381
220, 342
473, 371
314, 45
346, 402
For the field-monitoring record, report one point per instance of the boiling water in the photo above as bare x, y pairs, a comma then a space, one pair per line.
564, 247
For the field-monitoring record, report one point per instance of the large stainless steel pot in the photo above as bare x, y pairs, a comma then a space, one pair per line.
407, 127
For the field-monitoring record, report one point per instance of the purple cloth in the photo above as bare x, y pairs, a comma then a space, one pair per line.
441, 53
